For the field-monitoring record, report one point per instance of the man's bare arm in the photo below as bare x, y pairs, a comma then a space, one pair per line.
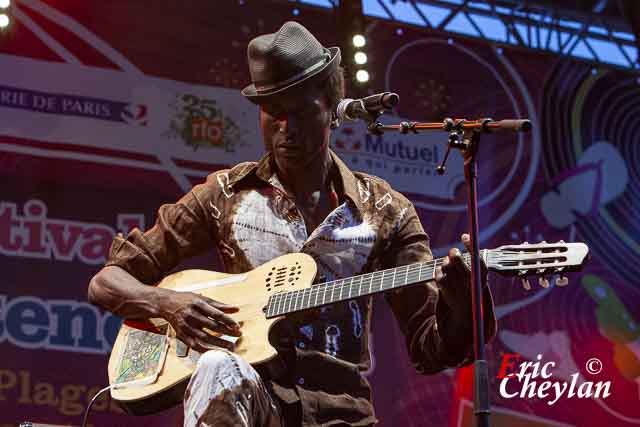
117, 291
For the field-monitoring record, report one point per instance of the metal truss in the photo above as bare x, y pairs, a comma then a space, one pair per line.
590, 37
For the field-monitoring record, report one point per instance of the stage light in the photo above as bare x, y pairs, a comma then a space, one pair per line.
360, 58
359, 40
362, 76
4, 21
5, 4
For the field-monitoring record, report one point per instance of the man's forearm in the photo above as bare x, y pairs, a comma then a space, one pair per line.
117, 291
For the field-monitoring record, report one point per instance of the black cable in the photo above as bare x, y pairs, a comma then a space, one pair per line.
86, 413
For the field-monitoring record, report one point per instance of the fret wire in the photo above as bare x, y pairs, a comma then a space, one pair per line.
303, 293
287, 305
393, 279
287, 300
328, 287
424, 269
336, 286
275, 304
294, 296
306, 293
333, 289
315, 304
363, 290
299, 296
278, 307
406, 276
281, 304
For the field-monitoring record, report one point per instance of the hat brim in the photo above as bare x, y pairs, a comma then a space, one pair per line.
262, 97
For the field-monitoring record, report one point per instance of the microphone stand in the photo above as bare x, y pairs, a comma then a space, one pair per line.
465, 136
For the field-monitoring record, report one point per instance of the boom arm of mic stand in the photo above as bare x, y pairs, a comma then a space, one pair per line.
448, 125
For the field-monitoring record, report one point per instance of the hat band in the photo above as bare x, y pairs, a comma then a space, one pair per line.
262, 88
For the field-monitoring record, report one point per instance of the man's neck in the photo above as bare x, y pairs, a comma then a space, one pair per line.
314, 177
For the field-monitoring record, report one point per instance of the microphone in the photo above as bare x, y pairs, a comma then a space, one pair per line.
366, 108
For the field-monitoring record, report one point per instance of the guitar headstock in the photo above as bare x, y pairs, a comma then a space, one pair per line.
542, 258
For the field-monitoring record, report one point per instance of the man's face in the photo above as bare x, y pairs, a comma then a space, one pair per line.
295, 128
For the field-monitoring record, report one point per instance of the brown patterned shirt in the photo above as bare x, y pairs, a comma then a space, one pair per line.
246, 213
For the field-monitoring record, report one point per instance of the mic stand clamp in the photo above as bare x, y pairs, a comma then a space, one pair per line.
374, 127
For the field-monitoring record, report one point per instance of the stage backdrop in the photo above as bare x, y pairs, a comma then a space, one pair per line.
109, 109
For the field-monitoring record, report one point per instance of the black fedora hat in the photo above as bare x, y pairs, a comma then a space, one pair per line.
286, 59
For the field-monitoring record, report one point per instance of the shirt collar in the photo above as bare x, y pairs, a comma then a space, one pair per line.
264, 170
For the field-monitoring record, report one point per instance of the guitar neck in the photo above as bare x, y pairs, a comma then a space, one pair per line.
353, 287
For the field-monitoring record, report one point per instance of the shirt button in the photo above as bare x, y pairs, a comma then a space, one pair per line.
300, 380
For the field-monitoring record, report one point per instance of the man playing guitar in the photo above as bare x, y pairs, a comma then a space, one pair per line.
300, 197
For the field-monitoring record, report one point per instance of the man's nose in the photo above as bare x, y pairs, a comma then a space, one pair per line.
289, 124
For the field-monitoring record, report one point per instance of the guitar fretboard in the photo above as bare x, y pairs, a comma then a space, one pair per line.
353, 287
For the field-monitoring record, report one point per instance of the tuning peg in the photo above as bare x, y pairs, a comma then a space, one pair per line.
542, 281
562, 281
544, 242
540, 270
561, 241
525, 284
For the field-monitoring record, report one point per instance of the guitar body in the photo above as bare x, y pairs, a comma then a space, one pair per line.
249, 291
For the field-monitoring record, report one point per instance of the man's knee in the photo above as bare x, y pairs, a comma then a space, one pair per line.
224, 362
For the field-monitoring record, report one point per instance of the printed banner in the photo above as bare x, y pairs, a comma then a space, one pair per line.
105, 116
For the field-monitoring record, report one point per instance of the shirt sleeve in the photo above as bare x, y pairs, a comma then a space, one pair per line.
436, 337
182, 230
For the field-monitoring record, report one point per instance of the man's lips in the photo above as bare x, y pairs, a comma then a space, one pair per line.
289, 146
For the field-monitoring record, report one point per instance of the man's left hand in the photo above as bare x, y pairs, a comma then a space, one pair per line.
454, 279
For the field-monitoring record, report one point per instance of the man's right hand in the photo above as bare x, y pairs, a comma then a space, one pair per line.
115, 290
189, 313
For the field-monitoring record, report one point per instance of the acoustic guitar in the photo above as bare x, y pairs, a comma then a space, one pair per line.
149, 368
